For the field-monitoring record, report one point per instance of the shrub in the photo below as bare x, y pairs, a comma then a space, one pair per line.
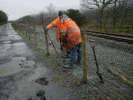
76, 16
3, 17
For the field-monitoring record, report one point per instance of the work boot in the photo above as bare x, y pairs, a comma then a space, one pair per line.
67, 66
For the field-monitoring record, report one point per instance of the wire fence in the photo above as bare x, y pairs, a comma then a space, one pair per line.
106, 57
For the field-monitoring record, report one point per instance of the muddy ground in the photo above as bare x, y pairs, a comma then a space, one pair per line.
67, 84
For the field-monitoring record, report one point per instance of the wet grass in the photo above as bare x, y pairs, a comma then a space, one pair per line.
109, 28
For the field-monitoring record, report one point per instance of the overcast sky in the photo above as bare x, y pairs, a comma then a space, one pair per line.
18, 8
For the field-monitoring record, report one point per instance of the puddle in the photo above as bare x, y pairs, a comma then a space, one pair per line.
38, 73
17, 64
6, 42
9, 68
19, 44
28, 64
6, 45
19, 59
11, 35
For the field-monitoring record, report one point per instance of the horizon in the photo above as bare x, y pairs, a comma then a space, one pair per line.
16, 9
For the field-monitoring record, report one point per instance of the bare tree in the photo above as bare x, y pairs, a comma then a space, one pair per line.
120, 10
99, 5
116, 11
106, 16
125, 7
51, 10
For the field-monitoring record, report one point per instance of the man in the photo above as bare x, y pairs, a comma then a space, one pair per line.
70, 35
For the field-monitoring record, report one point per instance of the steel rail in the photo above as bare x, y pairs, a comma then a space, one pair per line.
113, 36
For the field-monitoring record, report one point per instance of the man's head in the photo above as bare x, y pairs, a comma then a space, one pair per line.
60, 13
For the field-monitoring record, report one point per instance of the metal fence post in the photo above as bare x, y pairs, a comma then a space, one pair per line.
84, 57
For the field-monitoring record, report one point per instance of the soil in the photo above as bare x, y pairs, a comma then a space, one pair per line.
117, 55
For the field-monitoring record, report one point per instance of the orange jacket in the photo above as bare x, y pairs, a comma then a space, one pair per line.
67, 30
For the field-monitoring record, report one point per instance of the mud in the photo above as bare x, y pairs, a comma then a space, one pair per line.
30, 99
42, 81
43, 98
36, 66
40, 93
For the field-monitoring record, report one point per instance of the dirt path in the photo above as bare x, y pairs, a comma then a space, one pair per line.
68, 84
22, 70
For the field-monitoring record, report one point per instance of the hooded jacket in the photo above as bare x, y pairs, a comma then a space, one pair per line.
67, 30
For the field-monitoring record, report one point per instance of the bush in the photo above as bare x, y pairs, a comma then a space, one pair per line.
76, 16
3, 17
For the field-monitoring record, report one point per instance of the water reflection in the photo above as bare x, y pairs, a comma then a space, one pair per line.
19, 44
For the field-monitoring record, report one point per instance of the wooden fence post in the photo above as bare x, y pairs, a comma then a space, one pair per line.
26, 30
35, 33
46, 40
23, 29
29, 31
84, 57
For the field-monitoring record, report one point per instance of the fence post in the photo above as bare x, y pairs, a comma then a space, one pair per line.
46, 40
35, 34
29, 31
20, 28
84, 57
26, 30
23, 29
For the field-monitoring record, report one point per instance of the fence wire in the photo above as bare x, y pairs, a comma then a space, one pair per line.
113, 88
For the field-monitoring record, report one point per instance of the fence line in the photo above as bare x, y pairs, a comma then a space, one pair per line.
84, 61
26, 28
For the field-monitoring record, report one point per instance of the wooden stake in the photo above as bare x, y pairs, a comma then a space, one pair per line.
26, 30
46, 40
29, 31
129, 81
35, 34
84, 57
23, 29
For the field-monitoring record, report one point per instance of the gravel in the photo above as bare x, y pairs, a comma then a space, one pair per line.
109, 53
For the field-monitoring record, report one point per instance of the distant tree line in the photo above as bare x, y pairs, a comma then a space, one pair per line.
3, 17
46, 18
102, 12
115, 12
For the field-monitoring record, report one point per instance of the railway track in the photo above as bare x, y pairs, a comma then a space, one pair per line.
113, 36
